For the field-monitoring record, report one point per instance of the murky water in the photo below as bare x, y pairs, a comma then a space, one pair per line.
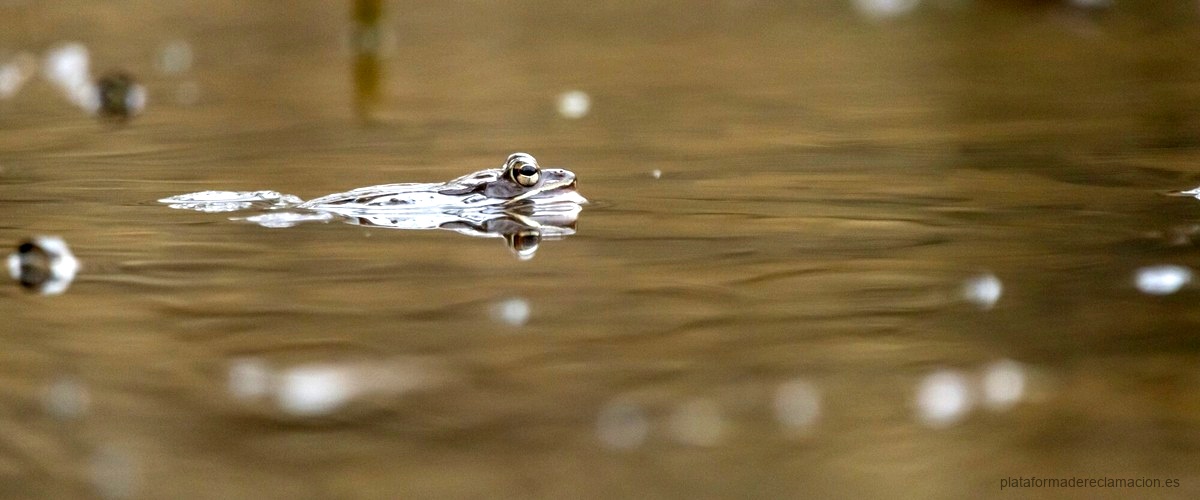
832, 252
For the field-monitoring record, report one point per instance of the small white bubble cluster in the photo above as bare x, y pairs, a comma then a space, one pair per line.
321, 388
574, 104
68, 66
622, 425
1003, 384
1162, 280
512, 312
15, 73
943, 398
797, 405
314, 390
175, 57
983, 290
249, 378
66, 399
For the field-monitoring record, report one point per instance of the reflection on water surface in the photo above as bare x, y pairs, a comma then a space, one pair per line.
832, 252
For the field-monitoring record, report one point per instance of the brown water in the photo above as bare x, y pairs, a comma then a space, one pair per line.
780, 313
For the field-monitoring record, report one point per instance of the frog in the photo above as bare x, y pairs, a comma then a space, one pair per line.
519, 201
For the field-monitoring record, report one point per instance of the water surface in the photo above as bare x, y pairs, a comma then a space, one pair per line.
779, 312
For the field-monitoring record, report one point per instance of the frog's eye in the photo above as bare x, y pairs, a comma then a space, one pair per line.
525, 174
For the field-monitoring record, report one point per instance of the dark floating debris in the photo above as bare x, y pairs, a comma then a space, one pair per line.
121, 97
115, 96
43, 264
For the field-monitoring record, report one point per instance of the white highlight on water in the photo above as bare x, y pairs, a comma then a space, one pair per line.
15, 73
514, 311
66, 399
622, 425
68, 66
314, 390
1003, 384
249, 378
983, 290
1162, 279
797, 405
943, 398
574, 104
175, 57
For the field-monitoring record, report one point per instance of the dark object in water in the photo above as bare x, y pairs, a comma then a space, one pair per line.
43, 264
121, 97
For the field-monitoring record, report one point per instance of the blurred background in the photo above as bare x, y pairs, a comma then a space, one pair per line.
840, 248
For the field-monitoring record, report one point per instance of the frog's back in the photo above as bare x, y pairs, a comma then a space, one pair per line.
392, 197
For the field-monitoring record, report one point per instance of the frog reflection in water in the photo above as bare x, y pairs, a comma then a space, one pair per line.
520, 201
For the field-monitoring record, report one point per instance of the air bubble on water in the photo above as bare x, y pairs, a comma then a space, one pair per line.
1003, 384
622, 425
943, 398
174, 57
314, 390
13, 263
114, 473
514, 311
1162, 279
879, 9
574, 104
66, 399
797, 405
67, 65
249, 378
983, 290
15, 73
43, 264
697, 422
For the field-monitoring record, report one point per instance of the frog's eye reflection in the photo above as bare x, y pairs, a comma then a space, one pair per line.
524, 244
525, 174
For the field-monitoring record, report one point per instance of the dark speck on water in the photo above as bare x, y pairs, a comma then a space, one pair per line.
121, 97
33, 265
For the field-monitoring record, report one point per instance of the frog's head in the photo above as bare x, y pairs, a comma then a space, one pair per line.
519, 179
